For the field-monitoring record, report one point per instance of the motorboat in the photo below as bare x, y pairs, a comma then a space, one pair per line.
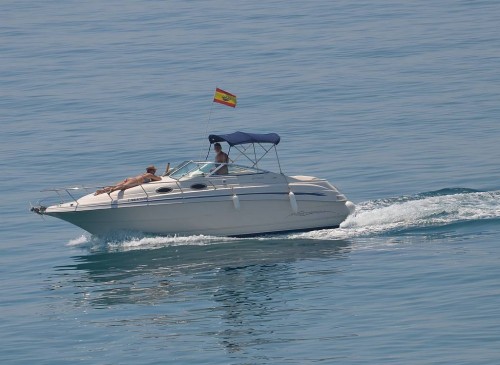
195, 198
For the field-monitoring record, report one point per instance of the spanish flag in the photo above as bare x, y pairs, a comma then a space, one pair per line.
223, 97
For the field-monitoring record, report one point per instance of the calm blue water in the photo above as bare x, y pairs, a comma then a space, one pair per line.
395, 102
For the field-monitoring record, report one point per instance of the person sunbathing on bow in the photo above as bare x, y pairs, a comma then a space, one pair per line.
130, 182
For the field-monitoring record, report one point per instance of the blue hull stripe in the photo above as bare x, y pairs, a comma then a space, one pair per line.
145, 201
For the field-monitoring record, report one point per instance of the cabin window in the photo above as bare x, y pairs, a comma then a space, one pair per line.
164, 190
198, 186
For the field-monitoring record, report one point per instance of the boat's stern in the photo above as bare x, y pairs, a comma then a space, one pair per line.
325, 191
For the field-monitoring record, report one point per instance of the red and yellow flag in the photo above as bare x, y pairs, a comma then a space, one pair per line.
223, 97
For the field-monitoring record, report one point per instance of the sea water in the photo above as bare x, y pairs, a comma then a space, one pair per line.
394, 102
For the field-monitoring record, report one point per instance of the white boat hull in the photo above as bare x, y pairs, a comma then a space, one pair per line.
210, 218
226, 207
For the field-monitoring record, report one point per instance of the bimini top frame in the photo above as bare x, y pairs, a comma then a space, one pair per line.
243, 141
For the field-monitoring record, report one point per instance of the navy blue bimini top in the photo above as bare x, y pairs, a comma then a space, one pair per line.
242, 137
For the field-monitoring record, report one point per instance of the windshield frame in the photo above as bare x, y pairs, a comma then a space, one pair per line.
192, 169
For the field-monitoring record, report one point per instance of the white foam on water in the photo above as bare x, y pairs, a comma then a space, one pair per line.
137, 242
82, 240
381, 216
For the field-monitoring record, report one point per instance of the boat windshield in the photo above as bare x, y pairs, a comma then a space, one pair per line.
192, 169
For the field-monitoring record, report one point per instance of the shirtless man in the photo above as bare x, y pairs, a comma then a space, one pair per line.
221, 157
130, 182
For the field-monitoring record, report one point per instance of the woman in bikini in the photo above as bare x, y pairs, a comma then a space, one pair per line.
130, 182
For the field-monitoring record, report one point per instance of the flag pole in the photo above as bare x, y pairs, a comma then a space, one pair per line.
206, 129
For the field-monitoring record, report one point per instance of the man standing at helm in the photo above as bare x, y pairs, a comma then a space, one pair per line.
221, 157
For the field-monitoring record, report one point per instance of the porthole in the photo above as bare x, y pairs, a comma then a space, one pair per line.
164, 190
198, 186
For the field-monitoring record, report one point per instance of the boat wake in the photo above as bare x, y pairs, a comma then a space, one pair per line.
134, 241
401, 215
383, 217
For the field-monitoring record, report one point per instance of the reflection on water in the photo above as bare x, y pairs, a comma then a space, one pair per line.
249, 297
149, 275
231, 290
